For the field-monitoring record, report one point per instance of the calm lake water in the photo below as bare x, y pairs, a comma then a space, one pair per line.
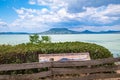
110, 41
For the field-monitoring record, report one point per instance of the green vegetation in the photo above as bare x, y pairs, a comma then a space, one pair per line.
46, 39
23, 53
35, 39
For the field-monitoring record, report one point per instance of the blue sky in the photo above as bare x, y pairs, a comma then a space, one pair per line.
41, 15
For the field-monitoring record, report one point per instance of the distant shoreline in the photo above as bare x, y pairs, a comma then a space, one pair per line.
64, 31
52, 34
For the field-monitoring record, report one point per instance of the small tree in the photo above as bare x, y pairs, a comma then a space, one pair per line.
34, 38
45, 39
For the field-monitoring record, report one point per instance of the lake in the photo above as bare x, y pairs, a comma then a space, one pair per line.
110, 41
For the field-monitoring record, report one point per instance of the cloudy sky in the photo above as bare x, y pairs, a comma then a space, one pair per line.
41, 15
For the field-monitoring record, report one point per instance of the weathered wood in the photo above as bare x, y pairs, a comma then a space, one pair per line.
26, 76
85, 63
92, 77
61, 54
6, 67
85, 70
57, 68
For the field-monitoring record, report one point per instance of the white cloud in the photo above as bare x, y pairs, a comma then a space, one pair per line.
20, 11
100, 15
45, 2
3, 26
32, 20
58, 11
54, 5
44, 11
32, 2
26, 13
2, 23
110, 14
41, 19
112, 10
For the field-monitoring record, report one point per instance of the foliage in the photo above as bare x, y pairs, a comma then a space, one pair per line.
46, 39
34, 39
28, 52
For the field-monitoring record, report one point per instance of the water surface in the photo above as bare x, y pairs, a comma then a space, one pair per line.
110, 41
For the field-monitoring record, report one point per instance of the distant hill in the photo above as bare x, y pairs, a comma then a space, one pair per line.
13, 33
110, 31
65, 31
101, 32
60, 31
87, 32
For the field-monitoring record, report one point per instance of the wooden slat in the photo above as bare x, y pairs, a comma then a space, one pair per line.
85, 63
6, 67
91, 77
84, 70
26, 76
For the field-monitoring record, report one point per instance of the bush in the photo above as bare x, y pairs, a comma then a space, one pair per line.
23, 53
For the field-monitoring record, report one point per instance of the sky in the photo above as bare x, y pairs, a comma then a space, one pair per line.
42, 15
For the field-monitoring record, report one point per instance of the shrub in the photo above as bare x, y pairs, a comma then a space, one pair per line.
23, 53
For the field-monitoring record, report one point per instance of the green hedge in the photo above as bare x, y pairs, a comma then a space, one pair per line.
23, 53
